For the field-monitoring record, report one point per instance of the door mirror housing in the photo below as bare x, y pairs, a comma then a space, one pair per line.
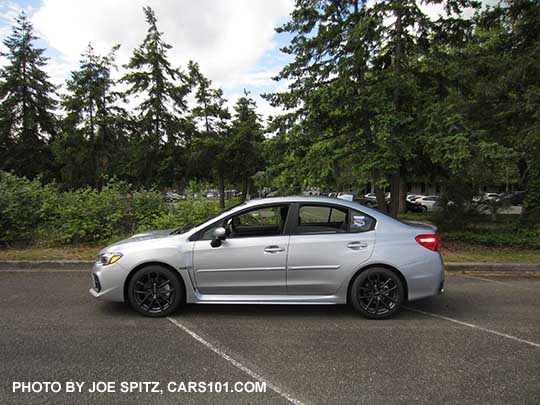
219, 237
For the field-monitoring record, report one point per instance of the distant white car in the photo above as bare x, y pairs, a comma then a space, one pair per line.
346, 196
427, 202
413, 197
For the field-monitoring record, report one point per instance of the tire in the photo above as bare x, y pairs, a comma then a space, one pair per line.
155, 291
423, 208
377, 293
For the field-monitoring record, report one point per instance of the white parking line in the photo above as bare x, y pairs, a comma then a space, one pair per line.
470, 325
495, 281
237, 364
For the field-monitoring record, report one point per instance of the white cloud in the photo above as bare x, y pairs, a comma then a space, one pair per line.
225, 37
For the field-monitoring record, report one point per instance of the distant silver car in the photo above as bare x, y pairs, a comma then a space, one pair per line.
288, 250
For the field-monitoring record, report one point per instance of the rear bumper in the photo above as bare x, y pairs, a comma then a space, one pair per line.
425, 278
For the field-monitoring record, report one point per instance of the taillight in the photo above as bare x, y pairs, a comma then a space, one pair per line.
429, 241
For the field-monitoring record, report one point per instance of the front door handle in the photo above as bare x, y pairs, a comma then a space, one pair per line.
273, 249
356, 245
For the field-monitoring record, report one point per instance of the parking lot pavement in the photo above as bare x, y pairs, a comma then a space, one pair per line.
479, 342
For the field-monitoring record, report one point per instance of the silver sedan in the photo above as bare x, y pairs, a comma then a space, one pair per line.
290, 250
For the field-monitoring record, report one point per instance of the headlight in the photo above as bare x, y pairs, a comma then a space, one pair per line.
108, 258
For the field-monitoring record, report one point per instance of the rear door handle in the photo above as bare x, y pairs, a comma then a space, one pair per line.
273, 249
356, 245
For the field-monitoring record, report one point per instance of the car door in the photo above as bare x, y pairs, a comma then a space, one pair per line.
327, 243
252, 258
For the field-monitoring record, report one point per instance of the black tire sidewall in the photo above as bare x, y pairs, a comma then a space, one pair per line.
359, 280
171, 275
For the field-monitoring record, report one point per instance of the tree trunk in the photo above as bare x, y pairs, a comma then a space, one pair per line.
244, 189
221, 191
381, 202
395, 186
396, 182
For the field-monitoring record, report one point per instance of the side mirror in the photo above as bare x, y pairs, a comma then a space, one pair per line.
219, 237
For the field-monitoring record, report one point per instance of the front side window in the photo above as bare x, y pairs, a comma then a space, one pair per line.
261, 221
321, 219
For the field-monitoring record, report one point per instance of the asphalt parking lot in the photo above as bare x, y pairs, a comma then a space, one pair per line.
477, 343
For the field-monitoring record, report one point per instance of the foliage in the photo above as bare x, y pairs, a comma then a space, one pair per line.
524, 238
26, 104
44, 215
20, 202
377, 93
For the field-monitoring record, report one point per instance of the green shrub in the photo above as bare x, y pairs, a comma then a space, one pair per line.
20, 201
88, 215
33, 213
521, 238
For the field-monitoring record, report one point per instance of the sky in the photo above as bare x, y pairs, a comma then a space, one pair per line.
234, 41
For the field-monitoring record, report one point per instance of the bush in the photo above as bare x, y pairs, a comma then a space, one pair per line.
522, 238
20, 201
33, 213
88, 215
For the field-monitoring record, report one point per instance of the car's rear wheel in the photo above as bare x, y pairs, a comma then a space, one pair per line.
155, 291
423, 208
377, 293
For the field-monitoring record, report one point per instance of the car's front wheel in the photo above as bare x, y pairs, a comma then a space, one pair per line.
155, 291
377, 293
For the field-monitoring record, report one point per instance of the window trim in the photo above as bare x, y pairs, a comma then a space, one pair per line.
198, 235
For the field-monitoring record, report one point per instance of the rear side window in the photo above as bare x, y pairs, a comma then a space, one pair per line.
360, 222
321, 219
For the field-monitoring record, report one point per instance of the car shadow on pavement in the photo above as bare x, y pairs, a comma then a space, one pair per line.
191, 311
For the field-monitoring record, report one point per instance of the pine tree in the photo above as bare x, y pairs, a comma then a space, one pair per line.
27, 120
211, 116
355, 89
92, 124
163, 90
245, 142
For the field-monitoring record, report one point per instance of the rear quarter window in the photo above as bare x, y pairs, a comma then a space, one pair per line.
360, 222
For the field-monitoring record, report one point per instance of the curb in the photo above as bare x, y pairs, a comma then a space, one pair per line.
87, 265
47, 264
492, 267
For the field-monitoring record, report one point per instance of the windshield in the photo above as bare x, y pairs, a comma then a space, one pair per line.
184, 229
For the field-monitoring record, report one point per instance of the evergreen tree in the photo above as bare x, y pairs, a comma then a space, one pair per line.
89, 143
211, 149
355, 87
162, 89
245, 142
27, 120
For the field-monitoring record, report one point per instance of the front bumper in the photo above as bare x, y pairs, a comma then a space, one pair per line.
108, 281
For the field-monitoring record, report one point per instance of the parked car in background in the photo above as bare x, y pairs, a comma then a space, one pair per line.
427, 203
347, 196
289, 250
170, 196
413, 206
486, 197
515, 197
413, 197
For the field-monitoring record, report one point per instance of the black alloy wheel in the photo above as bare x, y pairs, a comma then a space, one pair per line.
155, 291
377, 293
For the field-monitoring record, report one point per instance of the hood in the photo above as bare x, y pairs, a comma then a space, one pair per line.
142, 236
